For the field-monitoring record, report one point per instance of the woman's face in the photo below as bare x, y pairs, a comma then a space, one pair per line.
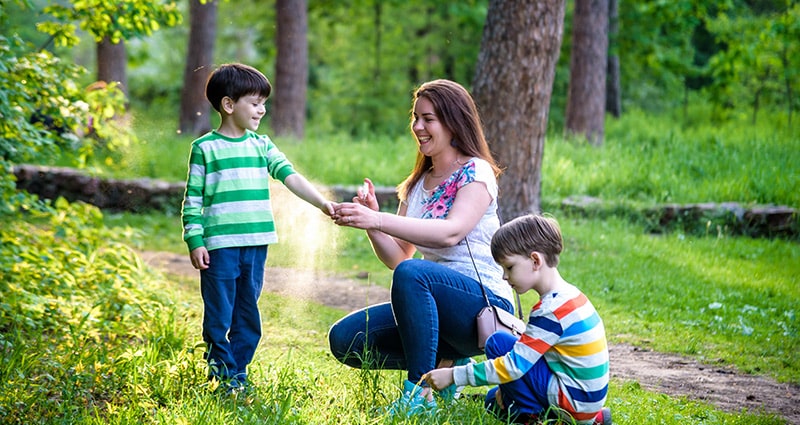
431, 134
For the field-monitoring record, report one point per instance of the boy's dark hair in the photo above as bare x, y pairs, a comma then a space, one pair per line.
526, 234
235, 80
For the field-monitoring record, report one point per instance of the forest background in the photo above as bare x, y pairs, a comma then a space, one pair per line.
707, 114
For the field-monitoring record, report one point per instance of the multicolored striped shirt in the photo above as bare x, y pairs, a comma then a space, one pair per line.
566, 330
227, 200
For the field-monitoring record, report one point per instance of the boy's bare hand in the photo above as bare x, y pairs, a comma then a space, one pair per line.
200, 258
439, 378
329, 208
499, 399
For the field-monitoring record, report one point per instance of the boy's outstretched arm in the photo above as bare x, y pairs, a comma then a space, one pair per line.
306, 191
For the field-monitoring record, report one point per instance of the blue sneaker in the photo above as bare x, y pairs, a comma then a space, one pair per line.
453, 392
412, 402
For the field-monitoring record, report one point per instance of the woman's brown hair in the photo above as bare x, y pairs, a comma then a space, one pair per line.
456, 109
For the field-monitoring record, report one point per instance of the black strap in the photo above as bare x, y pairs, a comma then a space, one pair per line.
480, 282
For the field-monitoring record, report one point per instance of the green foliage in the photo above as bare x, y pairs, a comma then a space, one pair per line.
65, 260
74, 304
45, 112
657, 53
116, 21
761, 64
36, 83
367, 56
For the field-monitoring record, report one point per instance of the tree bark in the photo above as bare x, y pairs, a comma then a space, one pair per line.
613, 95
112, 61
512, 88
194, 117
291, 69
586, 97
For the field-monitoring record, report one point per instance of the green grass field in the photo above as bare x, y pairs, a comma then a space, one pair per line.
91, 336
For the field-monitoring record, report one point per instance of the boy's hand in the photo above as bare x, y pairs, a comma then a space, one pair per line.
439, 378
200, 258
329, 208
499, 399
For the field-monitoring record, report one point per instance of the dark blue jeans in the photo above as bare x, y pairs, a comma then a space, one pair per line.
524, 399
231, 287
431, 317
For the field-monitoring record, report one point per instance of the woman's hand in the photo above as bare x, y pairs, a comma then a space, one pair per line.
355, 214
366, 196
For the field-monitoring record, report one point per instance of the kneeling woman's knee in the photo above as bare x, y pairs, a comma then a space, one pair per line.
336, 341
407, 277
408, 269
345, 345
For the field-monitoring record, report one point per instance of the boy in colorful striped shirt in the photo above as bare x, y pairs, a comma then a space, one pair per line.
559, 367
227, 217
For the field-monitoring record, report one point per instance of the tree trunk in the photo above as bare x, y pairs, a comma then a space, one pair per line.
195, 110
613, 95
586, 97
112, 61
512, 88
291, 69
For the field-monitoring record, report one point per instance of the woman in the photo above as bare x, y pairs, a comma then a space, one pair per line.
448, 212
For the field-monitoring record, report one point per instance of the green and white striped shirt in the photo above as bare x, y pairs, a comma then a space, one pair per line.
227, 200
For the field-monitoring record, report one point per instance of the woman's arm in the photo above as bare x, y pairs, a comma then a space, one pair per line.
470, 204
390, 250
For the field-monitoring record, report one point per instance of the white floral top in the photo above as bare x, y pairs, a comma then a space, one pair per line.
436, 204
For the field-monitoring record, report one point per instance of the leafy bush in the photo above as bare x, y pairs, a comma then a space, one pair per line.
76, 307
46, 112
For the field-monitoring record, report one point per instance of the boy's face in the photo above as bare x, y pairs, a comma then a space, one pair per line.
521, 272
247, 112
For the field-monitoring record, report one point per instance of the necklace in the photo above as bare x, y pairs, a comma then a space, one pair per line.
437, 176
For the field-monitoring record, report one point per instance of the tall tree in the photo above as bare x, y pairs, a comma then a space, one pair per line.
195, 109
111, 63
512, 87
586, 96
110, 23
613, 95
291, 69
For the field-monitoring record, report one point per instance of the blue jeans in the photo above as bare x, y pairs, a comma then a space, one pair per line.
431, 317
523, 399
231, 287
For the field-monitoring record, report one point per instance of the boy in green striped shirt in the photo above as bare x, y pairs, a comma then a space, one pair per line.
227, 217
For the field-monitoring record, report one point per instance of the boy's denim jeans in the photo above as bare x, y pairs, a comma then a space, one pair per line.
431, 317
524, 398
230, 288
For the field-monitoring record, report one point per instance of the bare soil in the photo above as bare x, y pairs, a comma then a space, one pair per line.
670, 374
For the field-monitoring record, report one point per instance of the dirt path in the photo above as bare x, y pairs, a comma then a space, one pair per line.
670, 374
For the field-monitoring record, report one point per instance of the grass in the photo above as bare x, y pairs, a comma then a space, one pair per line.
649, 161
718, 298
